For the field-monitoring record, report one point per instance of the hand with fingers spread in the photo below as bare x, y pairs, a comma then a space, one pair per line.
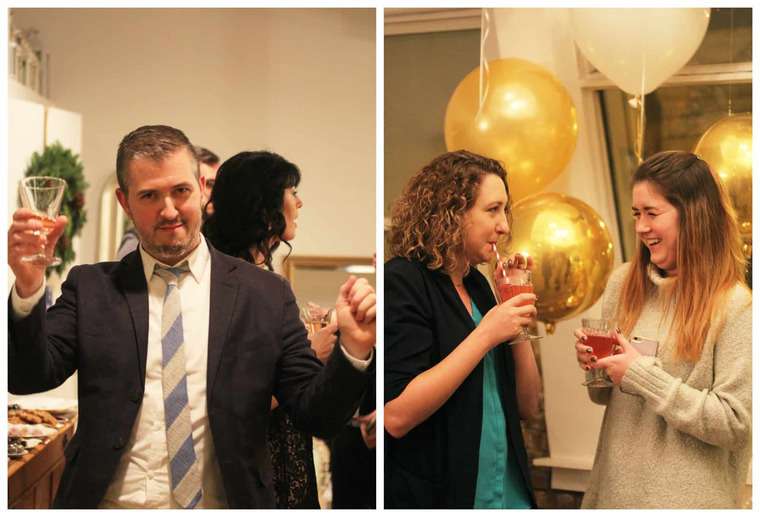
25, 237
356, 310
616, 365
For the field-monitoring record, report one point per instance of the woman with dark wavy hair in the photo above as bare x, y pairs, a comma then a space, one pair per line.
255, 209
458, 379
254, 206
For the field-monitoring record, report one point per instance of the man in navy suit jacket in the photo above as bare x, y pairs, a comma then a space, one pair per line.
103, 326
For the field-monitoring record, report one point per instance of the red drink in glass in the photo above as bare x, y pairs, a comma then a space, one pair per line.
507, 291
600, 337
602, 345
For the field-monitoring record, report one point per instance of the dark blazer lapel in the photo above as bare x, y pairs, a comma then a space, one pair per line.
131, 280
221, 308
446, 286
480, 291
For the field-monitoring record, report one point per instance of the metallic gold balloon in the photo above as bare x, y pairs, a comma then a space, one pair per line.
572, 253
528, 122
727, 147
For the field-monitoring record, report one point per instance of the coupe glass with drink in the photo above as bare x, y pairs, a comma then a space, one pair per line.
42, 195
600, 337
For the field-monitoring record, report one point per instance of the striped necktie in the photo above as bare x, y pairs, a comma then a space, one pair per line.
183, 463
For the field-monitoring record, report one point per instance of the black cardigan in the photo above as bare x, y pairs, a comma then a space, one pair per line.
436, 464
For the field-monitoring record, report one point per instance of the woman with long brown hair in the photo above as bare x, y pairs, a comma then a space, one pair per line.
677, 427
457, 377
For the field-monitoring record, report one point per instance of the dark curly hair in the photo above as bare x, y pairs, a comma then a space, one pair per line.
248, 197
426, 220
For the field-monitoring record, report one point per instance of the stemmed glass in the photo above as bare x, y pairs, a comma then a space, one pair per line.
315, 317
311, 319
42, 195
600, 336
518, 281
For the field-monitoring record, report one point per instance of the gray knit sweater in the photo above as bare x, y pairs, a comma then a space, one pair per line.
676, 434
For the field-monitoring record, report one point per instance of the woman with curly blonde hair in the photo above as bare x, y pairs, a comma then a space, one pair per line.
457, 376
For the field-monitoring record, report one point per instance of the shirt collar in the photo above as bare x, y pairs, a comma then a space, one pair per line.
657, 278
197, 260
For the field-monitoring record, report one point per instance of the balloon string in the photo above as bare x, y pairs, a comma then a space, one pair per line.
730, 58
485, 22
642, 128
641, 98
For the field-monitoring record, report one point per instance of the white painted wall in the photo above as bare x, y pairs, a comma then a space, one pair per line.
300, 82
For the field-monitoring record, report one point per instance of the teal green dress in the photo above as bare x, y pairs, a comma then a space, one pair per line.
499, 484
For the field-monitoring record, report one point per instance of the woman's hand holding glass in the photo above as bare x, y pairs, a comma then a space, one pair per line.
583, 352
615, 365
321, 328
323, 341
505, 321
513, 277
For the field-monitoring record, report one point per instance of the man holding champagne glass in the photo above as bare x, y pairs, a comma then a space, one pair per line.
178, 348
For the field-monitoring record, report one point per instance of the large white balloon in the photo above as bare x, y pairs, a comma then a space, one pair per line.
638, 49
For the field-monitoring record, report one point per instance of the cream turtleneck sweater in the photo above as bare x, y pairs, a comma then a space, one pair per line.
676, 434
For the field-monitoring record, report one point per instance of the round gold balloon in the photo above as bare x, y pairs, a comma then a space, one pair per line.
727, 147
571, 249
528, 122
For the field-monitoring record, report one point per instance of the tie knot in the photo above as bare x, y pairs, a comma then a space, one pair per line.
171, 275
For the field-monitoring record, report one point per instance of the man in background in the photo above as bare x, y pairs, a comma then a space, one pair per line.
209, 163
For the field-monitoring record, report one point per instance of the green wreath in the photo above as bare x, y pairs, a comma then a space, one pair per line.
59, 162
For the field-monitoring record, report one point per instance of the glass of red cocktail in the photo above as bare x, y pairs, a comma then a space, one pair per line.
518, 281
600, 337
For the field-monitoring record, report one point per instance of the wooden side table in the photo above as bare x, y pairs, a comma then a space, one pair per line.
34, 477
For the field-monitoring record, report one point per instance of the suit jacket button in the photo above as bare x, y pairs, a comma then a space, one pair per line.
136, 396
119, 443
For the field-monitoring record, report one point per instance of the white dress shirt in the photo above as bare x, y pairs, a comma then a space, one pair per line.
142, 479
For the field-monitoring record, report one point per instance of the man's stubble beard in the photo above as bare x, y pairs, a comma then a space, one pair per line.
171, 253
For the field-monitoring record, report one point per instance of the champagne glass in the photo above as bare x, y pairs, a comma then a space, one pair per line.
316, 317
600, 336
311, 320
42, 195
518, 281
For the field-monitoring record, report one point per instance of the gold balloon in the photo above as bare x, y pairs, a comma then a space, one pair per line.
727, 147
571, 249
527, 122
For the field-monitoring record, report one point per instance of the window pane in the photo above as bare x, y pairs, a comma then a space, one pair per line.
716, 46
